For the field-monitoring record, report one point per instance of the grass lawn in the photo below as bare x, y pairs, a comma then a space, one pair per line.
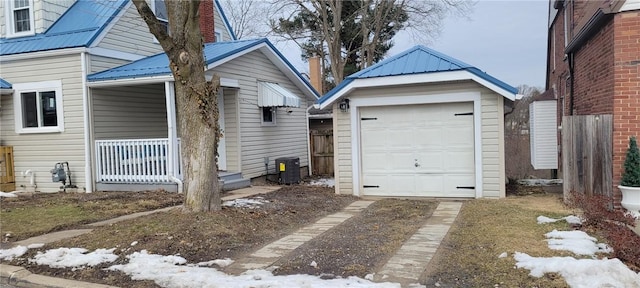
469, 256
26, 216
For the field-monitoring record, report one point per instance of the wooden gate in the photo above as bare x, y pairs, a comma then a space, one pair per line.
7, 176
587, 164
322, 152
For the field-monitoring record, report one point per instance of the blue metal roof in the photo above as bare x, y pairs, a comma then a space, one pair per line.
4, 84
158, 65
77, 27
417, 60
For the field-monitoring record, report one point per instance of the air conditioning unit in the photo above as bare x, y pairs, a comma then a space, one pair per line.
288, 170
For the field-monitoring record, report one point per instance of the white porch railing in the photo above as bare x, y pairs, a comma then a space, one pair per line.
135, 161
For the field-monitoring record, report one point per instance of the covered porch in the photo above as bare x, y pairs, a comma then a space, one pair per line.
136, 142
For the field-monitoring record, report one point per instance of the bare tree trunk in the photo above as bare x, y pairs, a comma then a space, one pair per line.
196, 100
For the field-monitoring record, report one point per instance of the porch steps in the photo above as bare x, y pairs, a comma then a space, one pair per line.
233, 180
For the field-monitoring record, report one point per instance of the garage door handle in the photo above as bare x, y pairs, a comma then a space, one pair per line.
466, 187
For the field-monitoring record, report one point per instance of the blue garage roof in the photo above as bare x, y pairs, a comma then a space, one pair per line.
417, 60
158, 65
4, 84
77, 27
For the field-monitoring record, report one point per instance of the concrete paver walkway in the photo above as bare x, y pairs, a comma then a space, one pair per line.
56, 236
405, 267
412, 259
269, 254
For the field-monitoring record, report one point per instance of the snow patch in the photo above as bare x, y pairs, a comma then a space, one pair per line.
9, 254
634, 214
7, 195
166, 272
250, 203
328, 182
571, 219
581, 272
577, 242
73, 257
503, 255
220, 262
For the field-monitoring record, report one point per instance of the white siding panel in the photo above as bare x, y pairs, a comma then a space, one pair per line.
131, 35
219, 26
287, 139
100, 63
343, 169
132, 112
493, 176
3, 19
544, 137
40, 152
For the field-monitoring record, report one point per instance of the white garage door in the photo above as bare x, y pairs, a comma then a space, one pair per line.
418, 150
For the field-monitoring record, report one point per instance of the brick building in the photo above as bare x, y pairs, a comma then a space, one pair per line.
593, 66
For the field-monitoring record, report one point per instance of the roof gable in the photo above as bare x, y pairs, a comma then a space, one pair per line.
214, 53
418, 60
158, 65
77, 27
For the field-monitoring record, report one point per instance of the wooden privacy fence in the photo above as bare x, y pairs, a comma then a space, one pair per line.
587, 154
321, 151
7, 170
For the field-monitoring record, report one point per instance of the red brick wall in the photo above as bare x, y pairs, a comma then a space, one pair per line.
626, 104
207, 25
606, 75
593, 75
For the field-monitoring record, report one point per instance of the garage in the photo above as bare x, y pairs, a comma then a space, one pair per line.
419, 124
418, 150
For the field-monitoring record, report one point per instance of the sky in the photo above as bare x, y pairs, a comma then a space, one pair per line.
506, 39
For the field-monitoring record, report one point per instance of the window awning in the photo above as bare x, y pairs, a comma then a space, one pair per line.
274, 95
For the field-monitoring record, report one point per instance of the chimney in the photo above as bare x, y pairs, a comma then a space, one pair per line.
315, 73
207, 25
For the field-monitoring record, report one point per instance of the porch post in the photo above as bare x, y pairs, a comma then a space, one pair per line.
171, 126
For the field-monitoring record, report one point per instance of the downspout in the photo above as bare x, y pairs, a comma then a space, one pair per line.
88, 172
571, 63
309, 141
178, 181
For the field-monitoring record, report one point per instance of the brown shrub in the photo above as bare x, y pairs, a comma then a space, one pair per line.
614, 225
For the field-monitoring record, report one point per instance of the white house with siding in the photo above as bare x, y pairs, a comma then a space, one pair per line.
419, 124
50, 112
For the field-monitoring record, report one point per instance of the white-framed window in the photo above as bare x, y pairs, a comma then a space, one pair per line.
218, 36
268, 116
20, 19
38, 107
159, 8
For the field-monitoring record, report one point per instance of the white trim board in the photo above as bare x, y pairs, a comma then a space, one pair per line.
40, 54
451, 97
415, 79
